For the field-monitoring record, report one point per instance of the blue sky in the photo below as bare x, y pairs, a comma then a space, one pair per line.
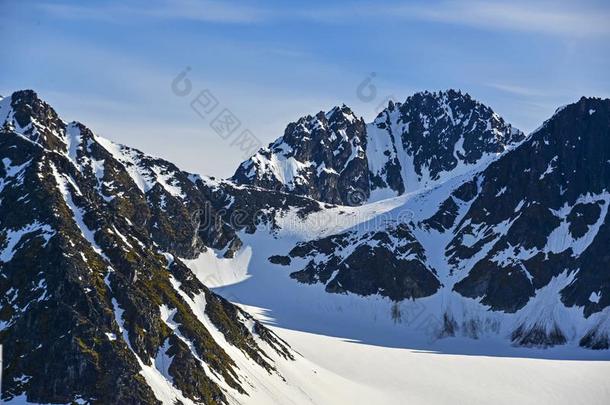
110, 64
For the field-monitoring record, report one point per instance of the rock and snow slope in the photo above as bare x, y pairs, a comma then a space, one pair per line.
95, 304
334, 157
518, 249
511, 243
382, 351
490, 249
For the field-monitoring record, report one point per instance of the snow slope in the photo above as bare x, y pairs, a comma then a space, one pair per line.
398, 376
383, 358
355, 349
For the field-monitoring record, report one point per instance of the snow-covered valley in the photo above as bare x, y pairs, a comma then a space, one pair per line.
484, 285
369, 349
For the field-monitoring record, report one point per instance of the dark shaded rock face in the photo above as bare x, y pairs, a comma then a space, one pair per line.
321, 156
248, 208
542, 210
390, 264
91, 286
333, 157
282, 260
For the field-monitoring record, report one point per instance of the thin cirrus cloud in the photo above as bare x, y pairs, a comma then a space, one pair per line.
585, 19
203, 10
582, 19
557, 18
516, 89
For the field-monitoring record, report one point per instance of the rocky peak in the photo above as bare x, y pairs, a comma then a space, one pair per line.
320, 156
92, 279
542, 215
34, 118
433, 136
517, 248
334, 157
310, 134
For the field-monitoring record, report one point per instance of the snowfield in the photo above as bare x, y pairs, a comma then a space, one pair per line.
388, 375
441, 348
362, 350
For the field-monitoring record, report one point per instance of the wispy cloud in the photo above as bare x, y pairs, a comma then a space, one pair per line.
575, 19
558, 18
195, 10
515, 89
582, 19
208, 10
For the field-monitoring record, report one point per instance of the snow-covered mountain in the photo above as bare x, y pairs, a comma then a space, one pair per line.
107, 255
517, 249
321, 156
335, 157
96, 303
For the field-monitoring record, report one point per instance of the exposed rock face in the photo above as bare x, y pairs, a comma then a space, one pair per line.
94, 301
432, 137
526, 237
94, 298
333, 157
542, 210
321, 156
390, 263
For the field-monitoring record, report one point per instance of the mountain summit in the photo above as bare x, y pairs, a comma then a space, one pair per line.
96, 304
321, 156
107, 254
517, 248
334, 157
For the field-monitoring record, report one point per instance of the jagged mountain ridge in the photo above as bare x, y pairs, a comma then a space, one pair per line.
96, 304
524, 238
551, 197
321, 156
82, 202
335, 157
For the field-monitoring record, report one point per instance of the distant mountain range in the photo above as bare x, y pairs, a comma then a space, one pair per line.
493, 231
337, 158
